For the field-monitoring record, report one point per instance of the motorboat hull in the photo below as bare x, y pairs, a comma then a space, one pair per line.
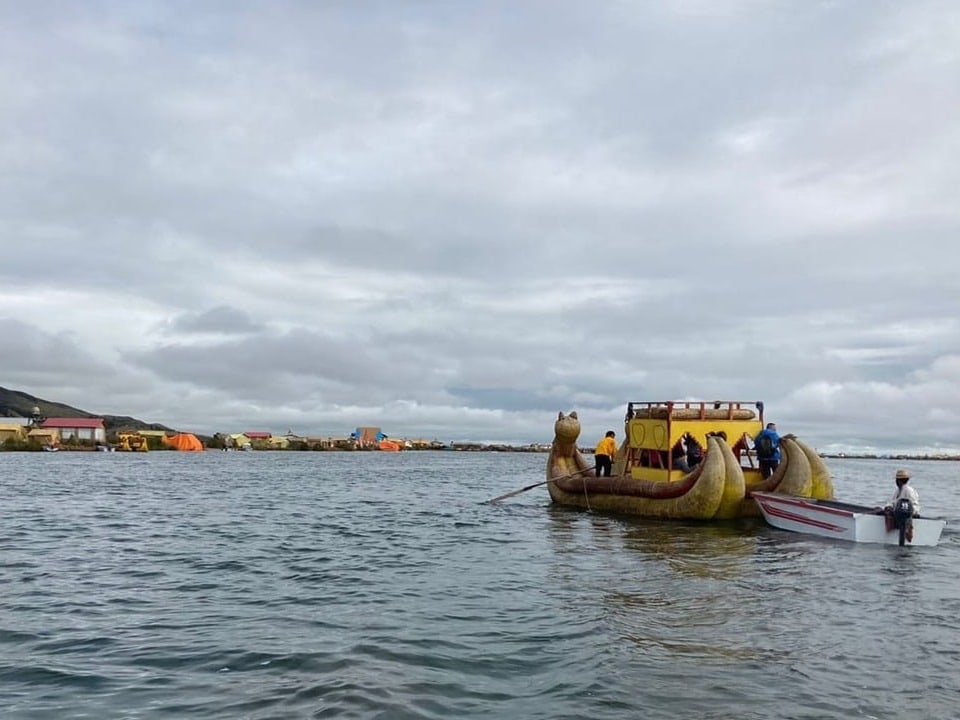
840, 520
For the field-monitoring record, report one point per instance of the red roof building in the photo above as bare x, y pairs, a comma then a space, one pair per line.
78, 428
258, 435
72, 423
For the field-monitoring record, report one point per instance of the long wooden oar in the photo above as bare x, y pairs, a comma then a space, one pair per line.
538, 484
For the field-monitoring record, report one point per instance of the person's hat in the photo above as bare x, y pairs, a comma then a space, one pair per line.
902, 475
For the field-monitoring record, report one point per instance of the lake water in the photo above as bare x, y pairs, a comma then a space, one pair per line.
379, 585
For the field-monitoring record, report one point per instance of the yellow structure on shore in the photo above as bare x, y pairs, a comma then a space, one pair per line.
14, 431
131, 442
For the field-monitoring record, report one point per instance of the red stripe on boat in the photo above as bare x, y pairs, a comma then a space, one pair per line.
805, 504
802, 519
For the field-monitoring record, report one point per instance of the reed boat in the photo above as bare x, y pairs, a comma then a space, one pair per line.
650, 478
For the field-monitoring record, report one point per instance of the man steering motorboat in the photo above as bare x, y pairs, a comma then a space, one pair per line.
903, 506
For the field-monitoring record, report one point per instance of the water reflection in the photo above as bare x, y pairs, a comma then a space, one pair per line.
706, 550
678, 583
671, 645
713, 551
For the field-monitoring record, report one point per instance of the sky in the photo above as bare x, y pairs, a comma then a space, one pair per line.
454, 220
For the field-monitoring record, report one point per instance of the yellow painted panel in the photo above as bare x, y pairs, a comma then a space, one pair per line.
651, 433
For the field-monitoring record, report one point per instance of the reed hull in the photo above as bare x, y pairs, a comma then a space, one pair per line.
716, 490
697, 497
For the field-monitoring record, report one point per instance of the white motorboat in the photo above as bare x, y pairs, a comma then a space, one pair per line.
845, 521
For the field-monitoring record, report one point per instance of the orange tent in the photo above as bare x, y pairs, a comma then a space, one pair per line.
389, 445
184, 441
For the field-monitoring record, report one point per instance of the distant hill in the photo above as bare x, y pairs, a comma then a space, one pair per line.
14, 403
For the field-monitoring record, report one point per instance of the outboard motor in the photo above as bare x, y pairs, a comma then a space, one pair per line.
903, 518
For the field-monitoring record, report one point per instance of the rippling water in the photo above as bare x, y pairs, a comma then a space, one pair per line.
379, 585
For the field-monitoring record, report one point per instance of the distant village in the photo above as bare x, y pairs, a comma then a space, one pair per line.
28, 423
52, 434
38, 433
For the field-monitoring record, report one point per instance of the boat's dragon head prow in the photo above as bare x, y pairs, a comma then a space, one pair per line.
566, 431
565, 457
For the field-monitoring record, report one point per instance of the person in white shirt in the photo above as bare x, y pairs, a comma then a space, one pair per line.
903, 491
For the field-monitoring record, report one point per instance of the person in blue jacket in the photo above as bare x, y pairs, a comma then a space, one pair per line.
767, 446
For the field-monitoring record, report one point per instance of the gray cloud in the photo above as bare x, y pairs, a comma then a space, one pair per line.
456, 221
42, 355
220, 319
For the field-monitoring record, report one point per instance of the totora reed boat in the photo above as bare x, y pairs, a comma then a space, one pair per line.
651, 479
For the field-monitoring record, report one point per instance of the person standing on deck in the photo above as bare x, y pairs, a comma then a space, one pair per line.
678, 456
694, 452
604, 453
767, 446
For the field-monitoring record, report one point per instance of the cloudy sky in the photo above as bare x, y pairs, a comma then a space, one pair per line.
455, 219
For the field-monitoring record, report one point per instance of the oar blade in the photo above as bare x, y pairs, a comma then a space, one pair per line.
517, 492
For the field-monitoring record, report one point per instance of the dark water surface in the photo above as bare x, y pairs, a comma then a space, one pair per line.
378, 585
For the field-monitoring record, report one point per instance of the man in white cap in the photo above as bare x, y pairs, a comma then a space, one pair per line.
904, 491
